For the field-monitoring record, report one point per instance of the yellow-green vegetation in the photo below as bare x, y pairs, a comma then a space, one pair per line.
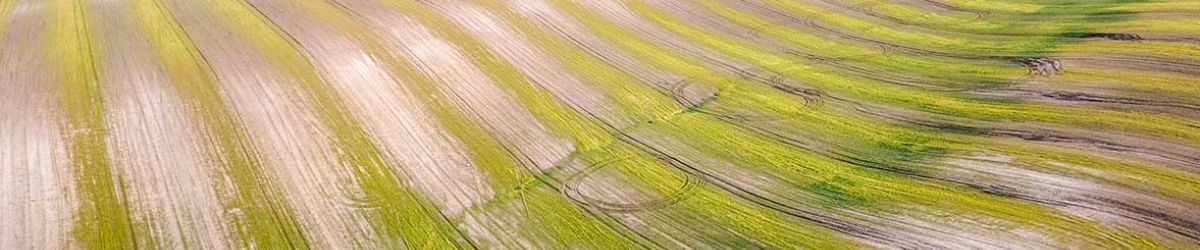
400, 213
555, 114
102, 219
266, 221
786, 124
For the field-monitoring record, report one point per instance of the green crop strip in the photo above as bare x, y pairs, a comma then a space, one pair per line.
851, 124
488, 154
962, 73
101, 219
483, 149
1089, 17
1029, 215
727, 212
882, 192
402, 213
1169, 181
747, 225
585, 133
946, 103
668, 60
267, 221
978, 22
1166, 126
926, 39
752, 94
935, 102
636, 99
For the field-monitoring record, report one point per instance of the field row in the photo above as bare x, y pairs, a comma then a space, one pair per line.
599, 124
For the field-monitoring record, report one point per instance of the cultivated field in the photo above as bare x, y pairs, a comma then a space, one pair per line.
600, 124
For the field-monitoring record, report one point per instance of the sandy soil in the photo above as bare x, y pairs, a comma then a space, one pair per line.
475, 91
35, 176
294, 145
154, 142
434, 160
351, 124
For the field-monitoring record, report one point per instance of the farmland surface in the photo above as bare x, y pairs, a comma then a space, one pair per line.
600, 124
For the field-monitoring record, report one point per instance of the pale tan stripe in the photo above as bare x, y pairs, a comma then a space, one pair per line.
615, 12
36, 192
409, 135
488, 103
546, 15
533, 62
153, 141
293, 144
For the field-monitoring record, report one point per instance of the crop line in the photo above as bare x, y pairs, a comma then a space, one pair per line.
102, 219
189, 71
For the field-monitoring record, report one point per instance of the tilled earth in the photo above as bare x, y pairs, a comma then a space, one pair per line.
599, 124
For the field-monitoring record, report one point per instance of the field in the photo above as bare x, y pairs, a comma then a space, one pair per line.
600, 124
